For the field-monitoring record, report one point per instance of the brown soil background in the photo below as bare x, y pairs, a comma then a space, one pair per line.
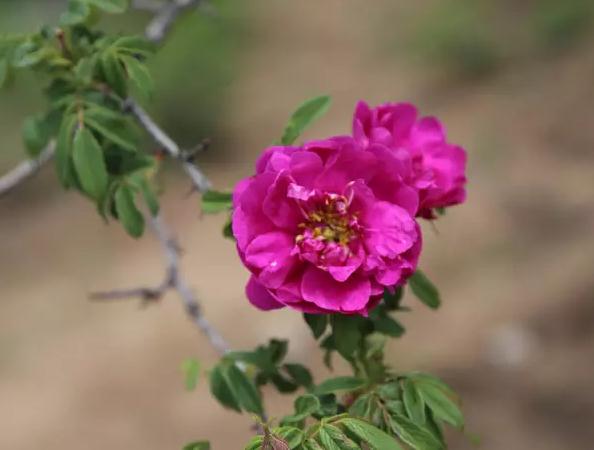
515, 335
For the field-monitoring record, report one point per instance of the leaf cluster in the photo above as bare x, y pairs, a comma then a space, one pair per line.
87, 76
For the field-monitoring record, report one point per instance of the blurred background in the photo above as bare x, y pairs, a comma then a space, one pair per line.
514, 83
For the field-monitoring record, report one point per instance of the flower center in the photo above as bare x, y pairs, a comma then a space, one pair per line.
330, 222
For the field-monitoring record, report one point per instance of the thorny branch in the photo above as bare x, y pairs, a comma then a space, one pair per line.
156, 31
172, 281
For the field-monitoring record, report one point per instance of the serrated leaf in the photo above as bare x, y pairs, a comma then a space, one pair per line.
128, 214
414, 435
111, 133
214, 202
424, 289
139, 75
327, 441
375, 437
244, 390
89, 164
110, 6
339, 384
200, 445
305, 115
317, 323
291, 435
442, 406
220, 389
311, 444
413, 402
340, 437
191, 369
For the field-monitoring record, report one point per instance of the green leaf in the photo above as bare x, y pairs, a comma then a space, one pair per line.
340, 437
128, 214
3, 72
244, 390
29, 55
305, 115
64, 165
347, 334
149, 197
110, 6
78, 12
215, 202
35, 135
360, 407
191, 369
338, 384
415, 436
327, 441
291, 435
139, 75
300, 374
306, 404
112, 134
85, 68
310, 444
424, 289
228, 230
375, 437
89, 164
200, 445
388, 326
134, 45
317, 323
442, 406
114, 73
392, 300
220, 389
413, 402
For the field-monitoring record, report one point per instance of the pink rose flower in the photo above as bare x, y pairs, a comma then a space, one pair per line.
436, 167
326, 227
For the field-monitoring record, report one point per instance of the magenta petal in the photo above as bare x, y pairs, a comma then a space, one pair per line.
320, 288
390, 230
259, 296
278, 207
271, 254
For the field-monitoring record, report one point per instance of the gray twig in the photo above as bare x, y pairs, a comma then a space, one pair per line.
199, 180
172, 281
163, 20
25, 170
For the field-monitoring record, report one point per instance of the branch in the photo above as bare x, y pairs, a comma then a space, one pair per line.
25, 170
172, 281
199, 180
158, 28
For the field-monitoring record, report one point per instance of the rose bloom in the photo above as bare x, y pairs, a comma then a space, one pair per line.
326, 227
436, 167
